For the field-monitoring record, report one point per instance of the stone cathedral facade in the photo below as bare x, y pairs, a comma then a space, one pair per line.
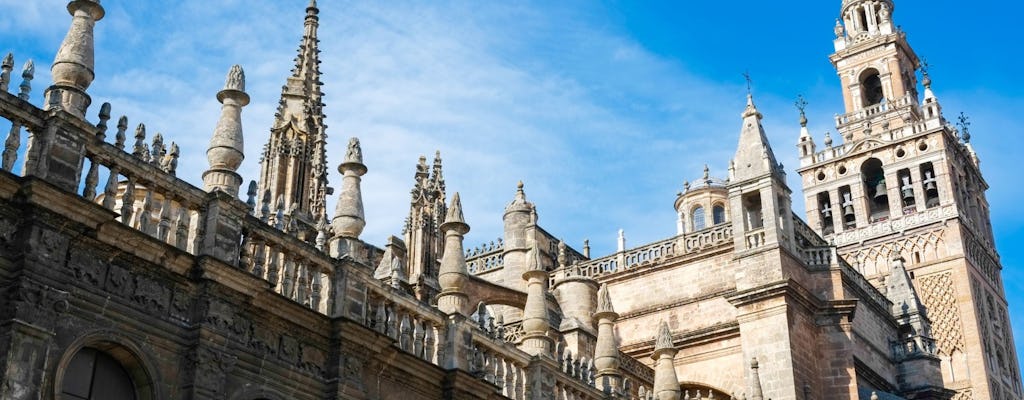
120, 280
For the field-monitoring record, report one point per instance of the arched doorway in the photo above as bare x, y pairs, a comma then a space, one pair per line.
102, 371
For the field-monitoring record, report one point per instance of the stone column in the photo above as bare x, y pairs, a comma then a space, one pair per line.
73, 67
606, 353
226, 150
453, 273
535, 315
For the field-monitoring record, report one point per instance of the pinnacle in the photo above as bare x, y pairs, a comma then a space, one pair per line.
664, 340
604, 300
454, 220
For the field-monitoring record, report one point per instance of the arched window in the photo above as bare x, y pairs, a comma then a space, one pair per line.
871, 88
698, 218
876, 188
718, 214
95, 375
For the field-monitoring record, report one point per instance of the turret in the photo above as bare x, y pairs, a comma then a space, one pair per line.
424, 240
73, 67
226, 149
666, 383
758, 196
454, 273
519, 221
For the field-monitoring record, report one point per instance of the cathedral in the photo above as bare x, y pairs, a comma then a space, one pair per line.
121, 280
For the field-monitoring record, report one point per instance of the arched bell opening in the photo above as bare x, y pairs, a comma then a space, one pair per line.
825, 210
876, 188
871, 88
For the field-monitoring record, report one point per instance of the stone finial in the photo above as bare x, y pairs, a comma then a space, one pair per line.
354, 154
535, 262
122, 129
754, 382
666, 382
235, 79
453, 272
169, 163
519, 202
250, 196
606, 351
6, 66
139, 149
349, 219
101, 127
73, 67
604, 300
664, 338
28, 72
226, 150
158, 151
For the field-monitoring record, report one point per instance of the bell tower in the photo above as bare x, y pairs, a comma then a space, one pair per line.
900, 181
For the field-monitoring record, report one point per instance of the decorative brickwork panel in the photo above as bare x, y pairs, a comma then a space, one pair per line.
938, 296
965, 394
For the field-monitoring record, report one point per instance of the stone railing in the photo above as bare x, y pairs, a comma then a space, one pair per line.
806, 236
649, 254
897, 224
870, 111
754, 239
500, 364
913, 346
858, 280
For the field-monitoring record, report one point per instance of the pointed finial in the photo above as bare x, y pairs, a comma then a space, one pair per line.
801, 104
139, 150
170, 161
454, 219
235, 79
604, 300
828, 139
101, 132
354, 154
535, 261
926, 80
5, 71
8, 61
664, 339
122, 128
27, 74
707, 174
250, 200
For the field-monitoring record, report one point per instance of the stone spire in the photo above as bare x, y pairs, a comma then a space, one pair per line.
294, 160
606, 352
426, 212
453, 272
754, 156
899, 289
666, 383
754, 382
73, 67
226, 149
348, 219
535, 315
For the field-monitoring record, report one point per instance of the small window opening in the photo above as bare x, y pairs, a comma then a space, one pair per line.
752, 211
95, 375
718, 214
698, 218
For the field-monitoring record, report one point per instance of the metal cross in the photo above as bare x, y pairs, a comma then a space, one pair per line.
746, 75
801, 103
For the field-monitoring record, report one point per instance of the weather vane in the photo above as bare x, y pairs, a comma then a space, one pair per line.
964, 123
801, 103
746, 75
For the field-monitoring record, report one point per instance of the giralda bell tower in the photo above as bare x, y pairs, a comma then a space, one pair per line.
898, 181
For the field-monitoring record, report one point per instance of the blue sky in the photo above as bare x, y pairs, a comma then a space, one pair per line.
602, 108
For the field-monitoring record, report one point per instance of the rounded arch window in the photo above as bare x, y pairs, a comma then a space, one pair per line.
718, 214
95, 375
697, 216
871, 87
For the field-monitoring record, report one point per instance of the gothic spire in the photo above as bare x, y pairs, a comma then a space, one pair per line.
606, 352
754, 382
754, 156
294, 163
